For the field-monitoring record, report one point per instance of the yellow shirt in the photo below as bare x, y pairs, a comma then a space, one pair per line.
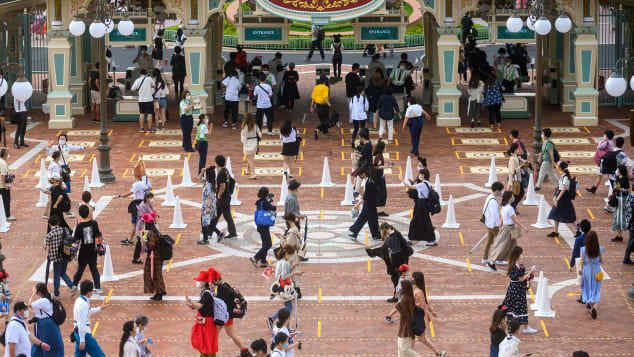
320, 94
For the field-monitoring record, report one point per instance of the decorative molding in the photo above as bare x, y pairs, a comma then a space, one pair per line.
59, 34
448, 30
585, 30
195, 32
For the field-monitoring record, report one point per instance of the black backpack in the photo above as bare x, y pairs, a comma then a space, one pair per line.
609, 162
321, 34
65, 204
433, 201
556, 156
237, 304
3, 337
59, 312
230, 184
165, 247
572, 188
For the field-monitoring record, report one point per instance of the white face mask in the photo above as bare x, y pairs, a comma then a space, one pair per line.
199, 284
26, 314
62, 141
189, 97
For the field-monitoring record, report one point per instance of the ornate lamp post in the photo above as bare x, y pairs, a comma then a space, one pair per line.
538, 22
102, 23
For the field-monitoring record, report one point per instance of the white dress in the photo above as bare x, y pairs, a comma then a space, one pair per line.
249, 139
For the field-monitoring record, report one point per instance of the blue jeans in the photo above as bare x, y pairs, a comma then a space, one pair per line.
287, 304
59, 271
92, 347
265, 236
202, 152
415, 131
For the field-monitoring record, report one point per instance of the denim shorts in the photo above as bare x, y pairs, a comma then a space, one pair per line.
162, 102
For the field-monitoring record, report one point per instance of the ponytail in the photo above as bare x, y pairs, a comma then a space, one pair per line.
563, 165
128, 327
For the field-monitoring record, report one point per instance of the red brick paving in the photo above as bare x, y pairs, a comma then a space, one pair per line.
348, 328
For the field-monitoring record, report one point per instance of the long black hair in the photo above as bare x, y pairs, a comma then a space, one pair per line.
41, 289
419, 281
563, 165
507, 196
286, 128
282, 316
279, 339
128, 327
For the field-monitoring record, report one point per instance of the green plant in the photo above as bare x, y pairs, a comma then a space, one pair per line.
408, 9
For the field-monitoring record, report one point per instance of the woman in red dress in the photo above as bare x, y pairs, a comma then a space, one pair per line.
204, 336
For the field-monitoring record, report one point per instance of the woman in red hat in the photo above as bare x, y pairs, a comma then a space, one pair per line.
226, 293
204, 336
153, 271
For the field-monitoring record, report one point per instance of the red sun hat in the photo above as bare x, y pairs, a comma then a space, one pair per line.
147, 218
203, 276
403, 267
3, 274
213, 274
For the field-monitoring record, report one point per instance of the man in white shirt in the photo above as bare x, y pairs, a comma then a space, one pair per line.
264, 92
17, 337
85, 343
232, 98
491, 213
20, 118
145, 85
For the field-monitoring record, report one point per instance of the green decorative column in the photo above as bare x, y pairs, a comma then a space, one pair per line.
586, 95
448, 95
59, 96
196, 63
77, 76
568, 74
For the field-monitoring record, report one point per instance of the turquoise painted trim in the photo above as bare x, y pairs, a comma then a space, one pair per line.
571, 51
60, 110
448, 107
586, 91
448, 91
198, 92
585, 107
448, 60
571, 96
126, 117
429, 3
73, 56
194, 64
60, 94
213, 4
74, 99
586, 62
58, 60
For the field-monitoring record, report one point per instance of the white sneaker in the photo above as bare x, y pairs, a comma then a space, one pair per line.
529, 331
10, 218
501, 262
483, 261
98, 291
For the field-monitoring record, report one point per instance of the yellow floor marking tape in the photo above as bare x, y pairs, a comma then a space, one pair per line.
169, 266
319, 295
125, 172
468, 265
590, 213
531, 292
567, 262
369, 266
586, 129
319, 328
109, 296
557, 241
321, 193
94, 329
29, 170
83, 173
178, 238
132, 157
544, 327
461, 170
141, 143
431, 329
461, 238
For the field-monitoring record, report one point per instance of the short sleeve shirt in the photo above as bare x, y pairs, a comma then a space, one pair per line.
264, 92
423, 189
42, 308
414, 111
201, 133
139, 188
320, 94
546, 146
222, 177
18, 334
232, 92
564, 182
507, 214
184, 104
4, 170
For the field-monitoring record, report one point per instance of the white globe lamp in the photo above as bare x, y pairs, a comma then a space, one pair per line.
77, 27
125, 27
631, 84
530, 22
563, 23
616, 85
514, 24
109, 25
543, 26
97, 29
22, 90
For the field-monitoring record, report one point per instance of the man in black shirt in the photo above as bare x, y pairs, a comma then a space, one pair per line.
86, 233
223, 206
353, 81
368, 212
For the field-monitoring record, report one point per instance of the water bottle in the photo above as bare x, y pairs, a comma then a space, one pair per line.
149, 341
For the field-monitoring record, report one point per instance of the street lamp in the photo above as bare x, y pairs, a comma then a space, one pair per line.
616, 84
539, 22
101, 24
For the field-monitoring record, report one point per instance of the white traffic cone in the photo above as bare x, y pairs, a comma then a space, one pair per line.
187, 176
170, 201
607, 183
349, 196
40, 274
493, 177
283, 192
542, 300
95, 180
108, 270
43, 201
542, 221
450, 221
326, 181
86, 184
43, 181
437, 187
228, 166
234, 197
177, 219
4, 225
531, 196
409, 175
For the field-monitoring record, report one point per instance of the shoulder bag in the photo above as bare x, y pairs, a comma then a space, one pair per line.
483, 218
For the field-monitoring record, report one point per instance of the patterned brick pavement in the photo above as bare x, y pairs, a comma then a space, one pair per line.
463, 293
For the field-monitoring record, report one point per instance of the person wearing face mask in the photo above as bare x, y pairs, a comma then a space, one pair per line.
145, 84
204, 333
17, 337
153, 270
201, 141
281, 327
64, 149
414, 120
186, 111
46, 329
397, 79
226, 293
270, 80
141, 323
84, 341
128, 346
20, 116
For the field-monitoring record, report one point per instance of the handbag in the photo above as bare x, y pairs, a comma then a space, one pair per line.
483, 218
516, 187
264, 217
65, 168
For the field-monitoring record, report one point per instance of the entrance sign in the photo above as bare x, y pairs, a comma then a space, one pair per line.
137, 38
320, 11
263, 34
503, 34
379, 33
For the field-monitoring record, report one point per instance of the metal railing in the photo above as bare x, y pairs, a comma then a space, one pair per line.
414, 40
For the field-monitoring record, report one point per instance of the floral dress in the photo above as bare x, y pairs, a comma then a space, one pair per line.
493, 95
208, 202
515, 299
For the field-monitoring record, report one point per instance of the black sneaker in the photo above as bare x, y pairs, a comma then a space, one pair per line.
202, 242
392, 300
552, 235
537, 189
269, 322
316, 134
592, 189
383, 214
593, 313
254, 262
221, 236
617, 239
303, 259
137, 261
126, 242
492, 266
628, 262
233, 235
